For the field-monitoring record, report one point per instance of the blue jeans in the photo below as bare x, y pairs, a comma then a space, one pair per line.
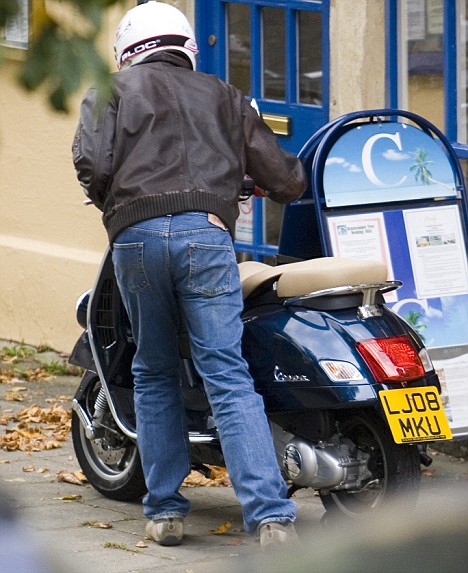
185, 262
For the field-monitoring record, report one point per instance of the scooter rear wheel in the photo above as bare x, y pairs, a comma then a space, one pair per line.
111, 463
394, 471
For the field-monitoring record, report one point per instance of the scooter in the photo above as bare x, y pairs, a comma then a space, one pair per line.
349, 389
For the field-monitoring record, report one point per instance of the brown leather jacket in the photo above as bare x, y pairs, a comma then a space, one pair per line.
171, 140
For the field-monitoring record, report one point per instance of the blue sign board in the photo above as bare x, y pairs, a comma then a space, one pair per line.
386, 185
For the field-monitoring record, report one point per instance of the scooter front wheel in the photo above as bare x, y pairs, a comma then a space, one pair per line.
111, 462
393, 470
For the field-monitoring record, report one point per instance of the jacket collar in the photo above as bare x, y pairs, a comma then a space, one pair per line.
168, 57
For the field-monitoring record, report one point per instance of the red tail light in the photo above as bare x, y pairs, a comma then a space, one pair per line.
391, 359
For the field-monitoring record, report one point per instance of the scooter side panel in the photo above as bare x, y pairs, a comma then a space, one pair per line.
284, 347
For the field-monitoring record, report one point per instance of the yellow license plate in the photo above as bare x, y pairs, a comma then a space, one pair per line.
415, 414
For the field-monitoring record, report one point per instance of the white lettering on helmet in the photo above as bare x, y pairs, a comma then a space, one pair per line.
139, 49
157, 42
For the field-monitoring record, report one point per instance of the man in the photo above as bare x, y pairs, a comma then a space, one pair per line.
164, 160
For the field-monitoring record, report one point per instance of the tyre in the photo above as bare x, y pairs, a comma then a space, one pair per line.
393, 470
110, 462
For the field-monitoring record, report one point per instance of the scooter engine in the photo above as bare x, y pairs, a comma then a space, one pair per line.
325, 465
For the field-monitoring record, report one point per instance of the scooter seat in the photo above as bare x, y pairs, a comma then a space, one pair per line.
304, 277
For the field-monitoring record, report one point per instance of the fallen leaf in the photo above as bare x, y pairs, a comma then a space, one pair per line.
6, 376
29, 468
42, 470
80, 475
69, 477
428, 473
18, 389
233, 541
141, 544
222, 529
59, 399
217, 472
101, 525
69, 498
13, 396
195, 479
5, 462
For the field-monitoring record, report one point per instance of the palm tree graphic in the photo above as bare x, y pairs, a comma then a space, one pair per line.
413, 318
420, 167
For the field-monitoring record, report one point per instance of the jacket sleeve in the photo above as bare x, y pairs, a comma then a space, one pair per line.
280, 174
92, 147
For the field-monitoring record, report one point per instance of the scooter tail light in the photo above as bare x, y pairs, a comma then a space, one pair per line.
392, 359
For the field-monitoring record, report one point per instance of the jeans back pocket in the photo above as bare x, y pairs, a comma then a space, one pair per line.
129, 266
210, 269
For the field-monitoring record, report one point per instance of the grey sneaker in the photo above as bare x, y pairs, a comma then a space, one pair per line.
168, 531
274, 535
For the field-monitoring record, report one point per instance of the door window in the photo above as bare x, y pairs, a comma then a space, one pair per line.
274, 57
238, 29
462, 73
310, 57
421, 59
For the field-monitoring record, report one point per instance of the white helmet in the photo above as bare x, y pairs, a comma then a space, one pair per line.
152, 27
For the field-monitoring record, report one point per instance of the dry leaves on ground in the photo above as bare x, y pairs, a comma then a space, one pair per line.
36, 375
37, 429
29, 375
218, 478
6, 376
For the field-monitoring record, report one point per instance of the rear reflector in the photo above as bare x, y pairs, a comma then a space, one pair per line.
391, 359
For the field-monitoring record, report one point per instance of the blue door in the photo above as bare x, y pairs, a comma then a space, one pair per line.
277, 53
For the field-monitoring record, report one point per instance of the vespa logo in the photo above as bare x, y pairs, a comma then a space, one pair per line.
280, 377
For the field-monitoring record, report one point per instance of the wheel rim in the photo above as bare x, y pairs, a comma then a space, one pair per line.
111, 464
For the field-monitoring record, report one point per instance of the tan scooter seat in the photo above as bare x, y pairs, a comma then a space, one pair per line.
304, 277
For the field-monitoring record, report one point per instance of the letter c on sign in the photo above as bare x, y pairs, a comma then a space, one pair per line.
367, 158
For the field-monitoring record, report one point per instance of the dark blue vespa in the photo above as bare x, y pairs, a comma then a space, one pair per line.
348, 385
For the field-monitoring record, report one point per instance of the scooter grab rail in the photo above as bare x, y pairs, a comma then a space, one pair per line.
369, 292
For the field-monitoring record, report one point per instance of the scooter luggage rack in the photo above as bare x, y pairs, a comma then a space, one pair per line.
368, 307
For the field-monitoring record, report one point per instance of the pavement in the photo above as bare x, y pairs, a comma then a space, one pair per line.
80, 529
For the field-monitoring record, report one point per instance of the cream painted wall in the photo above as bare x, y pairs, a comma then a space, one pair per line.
50, 244
357, 55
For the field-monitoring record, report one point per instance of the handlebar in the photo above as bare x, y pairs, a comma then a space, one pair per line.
249, 188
